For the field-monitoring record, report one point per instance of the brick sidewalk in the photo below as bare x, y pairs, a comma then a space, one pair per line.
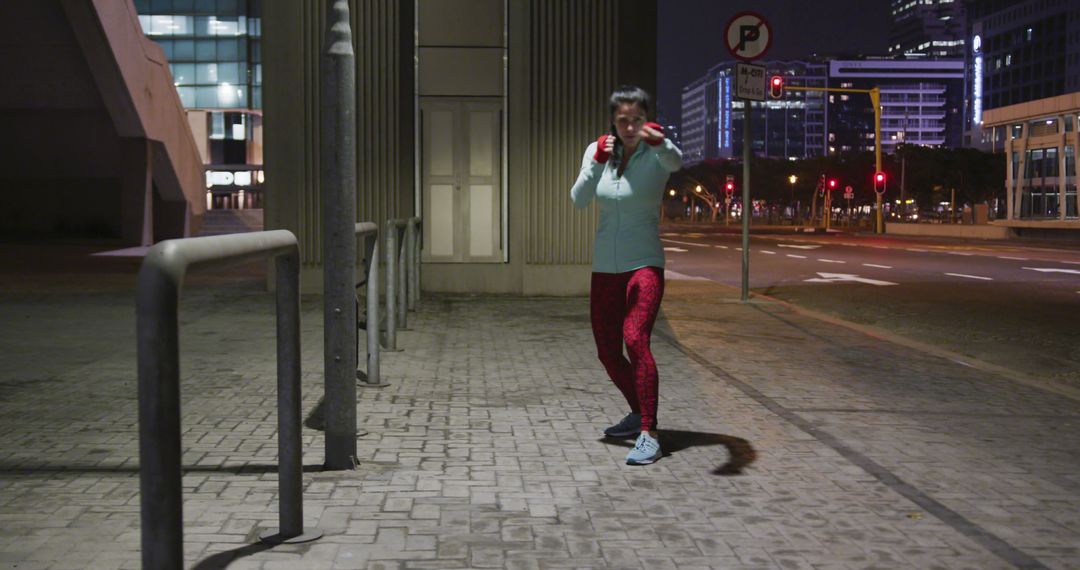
791, 444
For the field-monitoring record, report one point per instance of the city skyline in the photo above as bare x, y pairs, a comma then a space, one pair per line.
688, 37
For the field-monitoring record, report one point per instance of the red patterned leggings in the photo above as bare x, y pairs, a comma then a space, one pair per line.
623, 308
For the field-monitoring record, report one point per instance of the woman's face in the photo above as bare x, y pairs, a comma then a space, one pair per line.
628, 119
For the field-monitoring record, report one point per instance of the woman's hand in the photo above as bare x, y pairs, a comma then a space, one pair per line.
605, 145
652, 133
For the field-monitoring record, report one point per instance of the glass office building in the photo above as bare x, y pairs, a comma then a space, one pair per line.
214, 53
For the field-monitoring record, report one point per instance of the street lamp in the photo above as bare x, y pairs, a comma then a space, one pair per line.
792, 180
671, 192
698, 189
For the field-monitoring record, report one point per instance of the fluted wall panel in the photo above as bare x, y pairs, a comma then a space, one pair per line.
293, 42
573, 63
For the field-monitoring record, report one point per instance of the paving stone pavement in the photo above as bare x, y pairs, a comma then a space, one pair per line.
790, 443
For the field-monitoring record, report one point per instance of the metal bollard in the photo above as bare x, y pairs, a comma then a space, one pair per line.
371, 377
412, 248
391, 288
402, 301
158, 349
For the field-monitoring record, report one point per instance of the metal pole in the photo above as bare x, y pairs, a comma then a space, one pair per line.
746, 208
373, 372
391, 287
159, 419
290, 464
410, 262
403, 277
875, 100
338, 179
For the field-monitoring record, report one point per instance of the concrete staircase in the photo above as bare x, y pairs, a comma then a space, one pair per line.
221, 222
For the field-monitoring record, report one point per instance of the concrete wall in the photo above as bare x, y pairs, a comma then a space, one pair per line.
949, 230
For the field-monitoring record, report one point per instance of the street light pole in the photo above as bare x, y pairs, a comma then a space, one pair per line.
792, 179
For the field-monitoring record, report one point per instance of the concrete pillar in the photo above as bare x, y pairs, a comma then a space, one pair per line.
136, 192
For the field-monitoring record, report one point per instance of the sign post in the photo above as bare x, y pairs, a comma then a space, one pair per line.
849, 193
747, 37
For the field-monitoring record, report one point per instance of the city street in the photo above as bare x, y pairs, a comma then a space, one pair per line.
1011, 305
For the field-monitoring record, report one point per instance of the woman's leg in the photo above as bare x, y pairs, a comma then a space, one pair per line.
643, 295
607, 309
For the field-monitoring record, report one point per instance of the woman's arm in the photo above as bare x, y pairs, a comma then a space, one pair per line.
669, 155
584, 189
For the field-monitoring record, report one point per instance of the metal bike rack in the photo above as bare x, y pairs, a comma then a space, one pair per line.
157, 327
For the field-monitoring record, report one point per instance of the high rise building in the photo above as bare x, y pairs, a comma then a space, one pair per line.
214, 53
922, 102
929, 28
1020, 51
791, 127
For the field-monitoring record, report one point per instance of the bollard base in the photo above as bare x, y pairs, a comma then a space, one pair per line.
363, 381
273, 536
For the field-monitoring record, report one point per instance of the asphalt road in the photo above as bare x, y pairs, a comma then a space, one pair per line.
1008, 304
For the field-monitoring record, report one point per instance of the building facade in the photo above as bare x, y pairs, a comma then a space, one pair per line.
1042, 138
793, 126
928, 28
214, 48
922, 103
477, 129
1019, 51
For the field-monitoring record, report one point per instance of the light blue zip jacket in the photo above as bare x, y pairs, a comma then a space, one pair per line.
628, 237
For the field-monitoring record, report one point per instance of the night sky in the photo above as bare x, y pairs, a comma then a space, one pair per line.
689, 36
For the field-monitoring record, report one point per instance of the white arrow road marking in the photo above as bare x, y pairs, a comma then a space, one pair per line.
797, 246
676, 249
676, 276
1053, 270
796, 256
846, 277
830, 260
768, 252
721, 246
738, 249
1015, 258
878, 266
687, 243
970, 276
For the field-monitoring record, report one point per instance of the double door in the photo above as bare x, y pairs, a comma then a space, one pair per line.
461, 180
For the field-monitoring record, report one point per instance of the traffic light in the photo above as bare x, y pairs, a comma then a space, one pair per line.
730, 187
776, 87
879, 182
832, 184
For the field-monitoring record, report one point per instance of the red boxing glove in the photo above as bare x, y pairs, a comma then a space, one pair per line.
602, 155
659, 129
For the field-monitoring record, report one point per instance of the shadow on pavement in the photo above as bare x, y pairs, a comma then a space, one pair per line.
222, 560
247, 469
740, 452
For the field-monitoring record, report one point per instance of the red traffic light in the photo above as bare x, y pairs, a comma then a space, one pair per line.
879, 178
832, 183
730, 187
776, 87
